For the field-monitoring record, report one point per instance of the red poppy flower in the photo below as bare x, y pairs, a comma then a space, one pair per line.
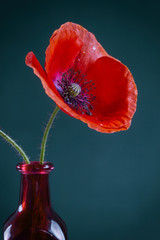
86, 82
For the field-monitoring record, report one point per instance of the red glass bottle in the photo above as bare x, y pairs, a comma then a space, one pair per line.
34, 219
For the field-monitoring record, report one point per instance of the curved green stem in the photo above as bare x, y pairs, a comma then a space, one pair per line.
15, 145
45, 136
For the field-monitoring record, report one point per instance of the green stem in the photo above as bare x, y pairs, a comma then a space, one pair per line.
15, 145
45, 136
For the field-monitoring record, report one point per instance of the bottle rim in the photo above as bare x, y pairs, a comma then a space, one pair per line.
35, 167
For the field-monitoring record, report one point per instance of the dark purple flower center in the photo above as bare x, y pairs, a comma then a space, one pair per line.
75, 90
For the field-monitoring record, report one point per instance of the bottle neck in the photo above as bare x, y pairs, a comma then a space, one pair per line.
34, 192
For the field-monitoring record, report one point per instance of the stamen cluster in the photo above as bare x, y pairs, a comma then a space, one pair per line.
75, 90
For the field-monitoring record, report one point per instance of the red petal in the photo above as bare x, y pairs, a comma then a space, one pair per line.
32, 62
71, 41
116, 95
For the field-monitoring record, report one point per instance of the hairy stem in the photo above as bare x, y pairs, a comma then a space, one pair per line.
46, 132
15, 145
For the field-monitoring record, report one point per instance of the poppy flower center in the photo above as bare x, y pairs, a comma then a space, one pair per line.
76, 91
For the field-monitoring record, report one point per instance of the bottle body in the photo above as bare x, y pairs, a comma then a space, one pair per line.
26, 226
34, 218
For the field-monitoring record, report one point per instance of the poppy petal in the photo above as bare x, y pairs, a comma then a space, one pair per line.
32, 62
116, 95
71, 44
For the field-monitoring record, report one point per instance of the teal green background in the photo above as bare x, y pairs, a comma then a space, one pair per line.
105, 186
